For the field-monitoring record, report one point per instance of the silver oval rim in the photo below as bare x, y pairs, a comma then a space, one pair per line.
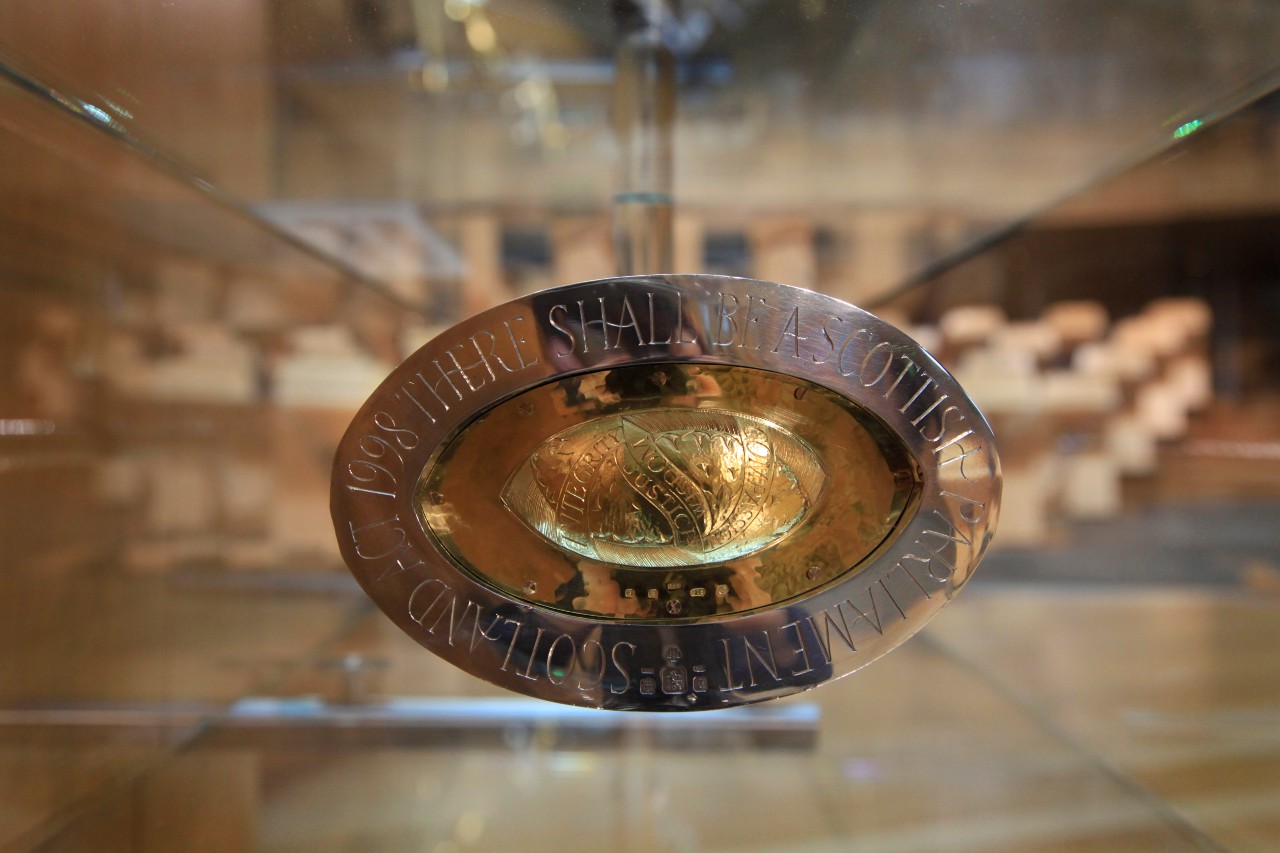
693, 319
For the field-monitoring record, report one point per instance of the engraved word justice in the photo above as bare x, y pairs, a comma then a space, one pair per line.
667, 487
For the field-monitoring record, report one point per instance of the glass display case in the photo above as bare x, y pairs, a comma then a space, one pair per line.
224, 223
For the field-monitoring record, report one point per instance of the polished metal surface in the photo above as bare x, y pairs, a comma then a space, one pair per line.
666, 492
178, 376
667, 487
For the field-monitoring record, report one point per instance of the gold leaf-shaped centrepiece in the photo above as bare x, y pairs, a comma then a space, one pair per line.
664, 491
667, 487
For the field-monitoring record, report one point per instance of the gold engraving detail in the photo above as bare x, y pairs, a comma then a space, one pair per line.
667, 487
559, 507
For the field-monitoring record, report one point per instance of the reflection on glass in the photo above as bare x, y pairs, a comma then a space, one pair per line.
175, 377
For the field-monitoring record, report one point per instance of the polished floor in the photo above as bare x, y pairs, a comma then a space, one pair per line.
1026, 717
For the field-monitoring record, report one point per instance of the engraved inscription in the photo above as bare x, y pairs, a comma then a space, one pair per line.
675, 455
667, 487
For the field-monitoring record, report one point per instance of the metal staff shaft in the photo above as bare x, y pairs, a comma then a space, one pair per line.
644, 124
